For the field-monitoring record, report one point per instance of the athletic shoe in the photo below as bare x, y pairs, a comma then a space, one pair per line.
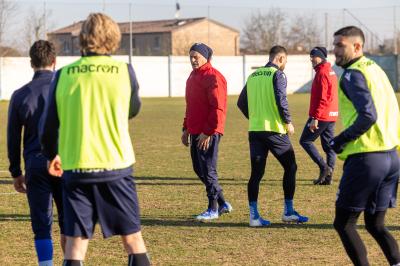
207, 215
294, 217
225, 208
323, 174
327, 181
259, 222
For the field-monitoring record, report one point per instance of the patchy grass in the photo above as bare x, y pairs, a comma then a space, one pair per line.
170, 195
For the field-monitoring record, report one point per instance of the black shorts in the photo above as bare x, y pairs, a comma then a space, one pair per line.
114, 204
42, 188
262, 142
369, 182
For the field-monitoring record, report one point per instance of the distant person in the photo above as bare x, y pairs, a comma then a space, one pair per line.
203, 125
323, 114
371, 121
86, 123
26, 107
264, 102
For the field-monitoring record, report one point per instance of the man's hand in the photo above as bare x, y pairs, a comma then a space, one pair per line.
313, 125
55, 167
289, 128
185, 138
337, 144
203, 141
19, 184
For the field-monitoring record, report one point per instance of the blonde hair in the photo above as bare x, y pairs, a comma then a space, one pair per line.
99, 34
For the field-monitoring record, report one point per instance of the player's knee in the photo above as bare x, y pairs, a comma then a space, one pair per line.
374, 229
291, 168
337, 225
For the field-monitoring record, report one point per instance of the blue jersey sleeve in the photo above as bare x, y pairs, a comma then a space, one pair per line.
49, 123
280, 84
356, 90
135, 103
14, 131
242, 102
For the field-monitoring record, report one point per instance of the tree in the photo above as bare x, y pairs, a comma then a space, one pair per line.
262, 31
35, 28
303, 35
7, 11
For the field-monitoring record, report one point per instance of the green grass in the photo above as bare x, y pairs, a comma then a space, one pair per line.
170, 195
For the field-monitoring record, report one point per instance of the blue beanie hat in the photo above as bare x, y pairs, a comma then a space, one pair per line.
203, 49
319, 51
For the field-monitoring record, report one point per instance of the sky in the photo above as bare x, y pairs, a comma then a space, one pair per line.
380, 18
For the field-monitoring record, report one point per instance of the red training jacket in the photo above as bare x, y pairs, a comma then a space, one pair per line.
324, 94
205, 101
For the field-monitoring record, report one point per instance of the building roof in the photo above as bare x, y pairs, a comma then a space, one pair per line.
151, 26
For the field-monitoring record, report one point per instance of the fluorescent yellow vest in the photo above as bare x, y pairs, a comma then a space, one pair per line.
92, 98
263, 111
385, 133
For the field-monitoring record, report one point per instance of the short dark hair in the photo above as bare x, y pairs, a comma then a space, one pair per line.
277, 49
42, 53
351, 31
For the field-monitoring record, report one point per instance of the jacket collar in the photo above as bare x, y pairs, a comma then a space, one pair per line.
41, 73
351, 62
270, 64
323, 64
203, 67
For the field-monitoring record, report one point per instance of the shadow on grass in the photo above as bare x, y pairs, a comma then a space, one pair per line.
191, 222
222, 182
6, 182
15, 217
167, 178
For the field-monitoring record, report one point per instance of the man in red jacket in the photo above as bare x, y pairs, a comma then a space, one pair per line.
203, 125
323, 114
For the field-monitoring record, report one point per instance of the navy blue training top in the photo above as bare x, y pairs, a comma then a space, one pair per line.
24, 112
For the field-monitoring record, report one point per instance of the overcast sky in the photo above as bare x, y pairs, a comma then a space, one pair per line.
377, 16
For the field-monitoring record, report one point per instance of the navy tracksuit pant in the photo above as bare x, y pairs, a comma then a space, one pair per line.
261, 143
205, 166
42, 189
326, 131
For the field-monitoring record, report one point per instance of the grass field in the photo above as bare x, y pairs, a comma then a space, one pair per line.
170, 195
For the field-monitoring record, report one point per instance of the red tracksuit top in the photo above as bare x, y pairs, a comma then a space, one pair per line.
324, 94
205, 101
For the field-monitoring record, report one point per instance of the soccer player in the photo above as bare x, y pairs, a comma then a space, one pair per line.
263, 101
323, 113
204, 124
371, 122
26, 107
86, 123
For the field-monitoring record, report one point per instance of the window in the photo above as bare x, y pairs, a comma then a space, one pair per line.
133, 43
66, 47
157, 45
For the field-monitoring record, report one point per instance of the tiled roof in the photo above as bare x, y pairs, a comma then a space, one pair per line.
140, 26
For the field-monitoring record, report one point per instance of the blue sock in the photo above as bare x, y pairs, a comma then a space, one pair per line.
44, 251
288, 206
253, 210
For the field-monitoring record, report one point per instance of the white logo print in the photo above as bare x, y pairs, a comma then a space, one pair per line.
347, 76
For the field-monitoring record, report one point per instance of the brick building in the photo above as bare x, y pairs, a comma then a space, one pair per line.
159, 37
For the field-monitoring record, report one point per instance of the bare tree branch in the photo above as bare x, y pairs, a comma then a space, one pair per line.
304, 34
262, 31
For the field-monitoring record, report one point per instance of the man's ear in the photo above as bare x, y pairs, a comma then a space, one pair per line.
357, 47
54, 64
280, 59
